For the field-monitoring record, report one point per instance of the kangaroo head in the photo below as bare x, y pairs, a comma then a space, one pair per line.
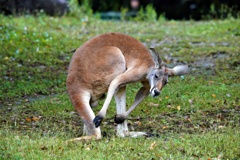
158, 75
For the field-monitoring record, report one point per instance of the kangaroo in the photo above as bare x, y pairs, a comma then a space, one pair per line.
106, 64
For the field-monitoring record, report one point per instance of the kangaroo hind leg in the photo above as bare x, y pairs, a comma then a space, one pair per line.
81, 104
120, 99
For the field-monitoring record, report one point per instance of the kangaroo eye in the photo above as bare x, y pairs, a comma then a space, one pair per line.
156, 76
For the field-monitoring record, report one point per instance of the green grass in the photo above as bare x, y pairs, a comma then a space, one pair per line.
182, 146
196, 117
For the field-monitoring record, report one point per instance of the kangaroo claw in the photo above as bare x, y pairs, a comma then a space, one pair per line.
119, 118
97, 121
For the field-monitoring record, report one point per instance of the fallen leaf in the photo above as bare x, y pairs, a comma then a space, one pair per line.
191, 101
210, 82
165, 127
151, 104
138, 123
178, 108
87, 149
220, 127
153, 145
220, 156
214, 95
35, 119
28, 119
189, 120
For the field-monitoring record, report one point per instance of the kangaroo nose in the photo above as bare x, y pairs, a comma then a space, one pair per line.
156, 93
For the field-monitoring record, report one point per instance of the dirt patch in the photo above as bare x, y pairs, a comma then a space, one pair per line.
207, 64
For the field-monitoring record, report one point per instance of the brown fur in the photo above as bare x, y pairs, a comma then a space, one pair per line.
103, 64
103, 67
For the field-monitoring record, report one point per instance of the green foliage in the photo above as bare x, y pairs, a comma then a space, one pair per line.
162, 18
222, 12
140, 15
148, 14
151, 14
86, 8
84, 11
123, 13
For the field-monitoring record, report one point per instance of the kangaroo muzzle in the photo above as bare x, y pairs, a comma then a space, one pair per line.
154, 92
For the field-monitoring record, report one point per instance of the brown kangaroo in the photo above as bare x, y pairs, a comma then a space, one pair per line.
106, 64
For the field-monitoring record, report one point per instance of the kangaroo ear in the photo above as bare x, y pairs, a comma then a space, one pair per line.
177, 71
156, 58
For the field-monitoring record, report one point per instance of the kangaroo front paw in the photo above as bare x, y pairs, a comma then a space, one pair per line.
97, 121
119, 118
